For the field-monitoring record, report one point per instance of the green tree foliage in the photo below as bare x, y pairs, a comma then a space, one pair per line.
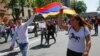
13, 4
22, 4
26, 3
40, 3
30, 3
98, 9
79, 6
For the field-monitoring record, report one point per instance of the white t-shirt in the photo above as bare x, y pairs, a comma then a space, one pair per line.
77, 39
42, 25
21, 32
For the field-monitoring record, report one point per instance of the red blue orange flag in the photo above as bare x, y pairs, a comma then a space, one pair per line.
53, 9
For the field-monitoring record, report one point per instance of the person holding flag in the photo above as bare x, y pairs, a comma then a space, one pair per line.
21, 34
79, 35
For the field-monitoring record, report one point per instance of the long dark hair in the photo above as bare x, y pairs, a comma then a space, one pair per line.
82, 22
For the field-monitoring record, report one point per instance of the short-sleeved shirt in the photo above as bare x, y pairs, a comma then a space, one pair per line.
77, 39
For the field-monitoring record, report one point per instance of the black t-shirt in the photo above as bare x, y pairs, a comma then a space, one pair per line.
51, 28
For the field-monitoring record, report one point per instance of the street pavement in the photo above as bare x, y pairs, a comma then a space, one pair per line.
55, 49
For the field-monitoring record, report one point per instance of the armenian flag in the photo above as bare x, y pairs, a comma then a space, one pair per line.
53, 9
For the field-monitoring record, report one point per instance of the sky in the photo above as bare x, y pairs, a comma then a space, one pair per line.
92, 5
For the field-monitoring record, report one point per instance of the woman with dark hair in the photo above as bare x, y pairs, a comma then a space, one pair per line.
79, 35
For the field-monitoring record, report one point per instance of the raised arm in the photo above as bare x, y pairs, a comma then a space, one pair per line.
30, 20
61, 24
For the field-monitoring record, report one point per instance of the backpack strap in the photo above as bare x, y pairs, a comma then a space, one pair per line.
84, 31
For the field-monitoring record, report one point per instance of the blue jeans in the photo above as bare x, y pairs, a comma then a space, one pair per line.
24, 48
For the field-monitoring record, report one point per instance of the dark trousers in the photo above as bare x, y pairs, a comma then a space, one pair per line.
48, 37
24, 48
7, 35
73, 53
42, 36
96, 29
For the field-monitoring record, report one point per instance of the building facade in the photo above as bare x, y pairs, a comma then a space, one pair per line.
4, 14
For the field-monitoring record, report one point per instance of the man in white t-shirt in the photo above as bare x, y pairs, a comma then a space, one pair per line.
21, 34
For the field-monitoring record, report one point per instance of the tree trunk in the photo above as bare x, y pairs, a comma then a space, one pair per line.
22, 11
29, 12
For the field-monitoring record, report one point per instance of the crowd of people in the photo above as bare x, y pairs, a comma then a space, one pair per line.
49, 29
79, 31
6, 30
